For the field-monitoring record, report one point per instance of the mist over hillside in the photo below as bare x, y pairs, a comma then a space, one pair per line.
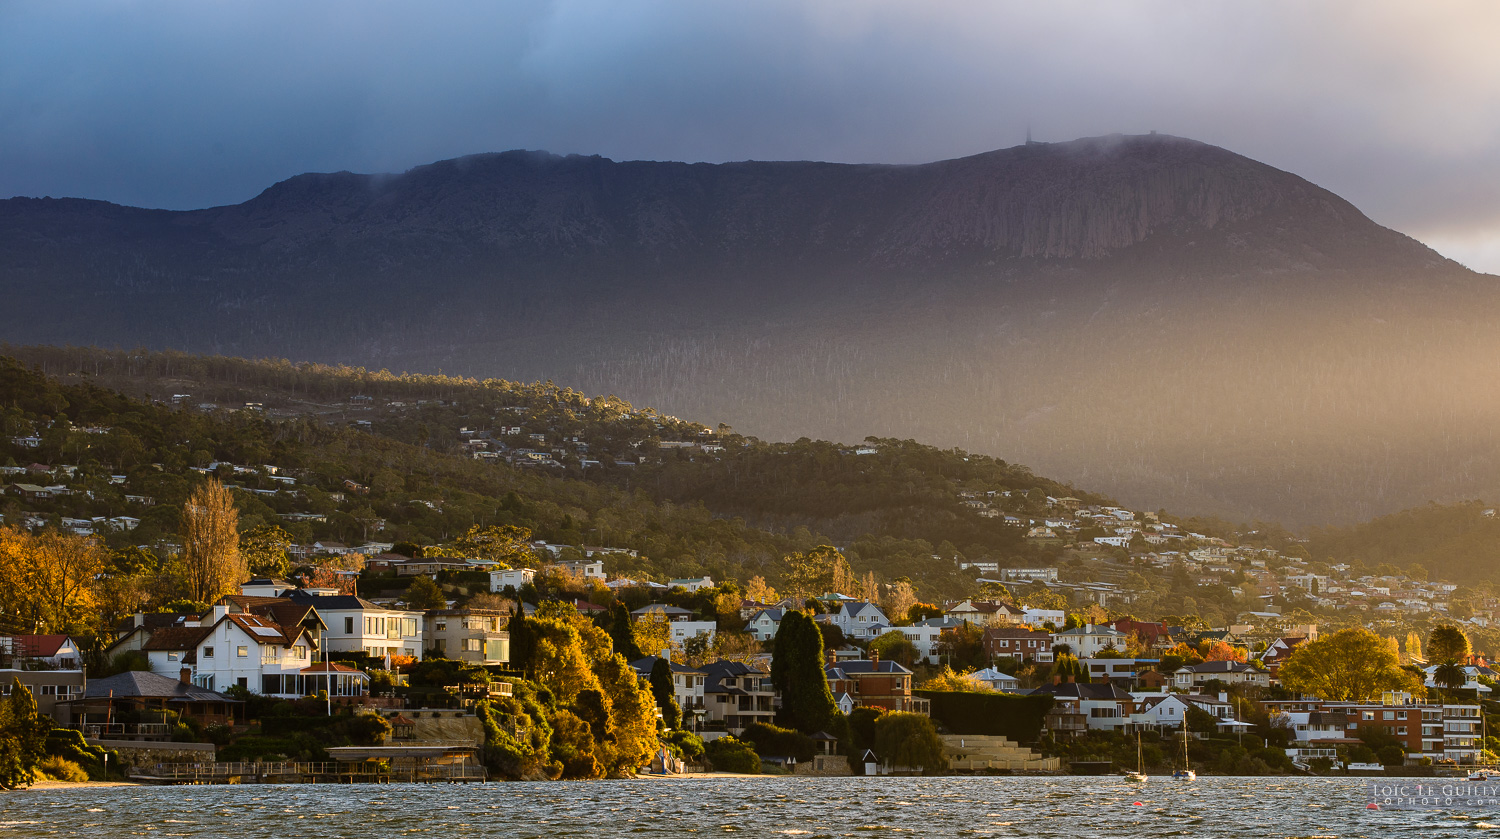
1150, 317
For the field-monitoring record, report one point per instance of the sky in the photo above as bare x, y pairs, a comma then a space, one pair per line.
1393, 105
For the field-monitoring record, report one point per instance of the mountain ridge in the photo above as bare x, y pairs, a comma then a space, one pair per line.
1171, 322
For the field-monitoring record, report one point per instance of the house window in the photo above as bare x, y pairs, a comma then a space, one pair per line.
242, 681
441, 626
1400, 715
299, 651
242, 652
208, 652
171, 656
348, 626
472, 645
1401, 730
1388, 715
49, 690
409, 627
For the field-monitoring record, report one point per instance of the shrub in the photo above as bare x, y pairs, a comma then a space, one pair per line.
61, 769
727, 754
782, 742
686, 745
1391, 755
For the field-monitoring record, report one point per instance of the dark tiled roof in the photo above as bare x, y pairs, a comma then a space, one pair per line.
858, 667
141, 683
176, 638
325, 602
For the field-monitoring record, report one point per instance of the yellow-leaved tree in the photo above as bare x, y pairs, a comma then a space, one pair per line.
211, 562
49, 582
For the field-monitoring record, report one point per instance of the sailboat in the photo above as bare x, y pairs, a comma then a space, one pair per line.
1186, 773
1140, 762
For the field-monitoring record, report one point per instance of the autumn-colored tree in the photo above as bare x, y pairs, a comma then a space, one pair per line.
948, 679
757, 591
1414, 648
1220, 651
51, 581
898, 600
507, 545
211, 560
811, 573
653, 633
1349, 665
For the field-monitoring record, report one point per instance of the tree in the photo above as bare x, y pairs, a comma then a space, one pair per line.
507, 544
797, 673
50, 580
666, 697
756, 591
728, 754
898, 600
963, 646
1414, 648
424, 593
1067, 664
210, 543
1221, 651
811, 573
947, 679
267, 551
622, 632
1450, 674
894, 646
23, 737
903, 739
1349, 665
1448, 643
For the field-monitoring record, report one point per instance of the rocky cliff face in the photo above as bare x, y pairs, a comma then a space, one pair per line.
1158, 318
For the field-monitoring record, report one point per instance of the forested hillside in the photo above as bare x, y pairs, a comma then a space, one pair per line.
730, 507
1459, 541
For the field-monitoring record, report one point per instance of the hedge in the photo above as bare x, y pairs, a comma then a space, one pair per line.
972, 712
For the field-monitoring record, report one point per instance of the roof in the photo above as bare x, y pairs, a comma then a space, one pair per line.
644, 665
324, 667
772, 614
145, 684
176, 638
332, 602
663, 608
864, 667
1218, 667
40, 646
1091, 629
1084, 690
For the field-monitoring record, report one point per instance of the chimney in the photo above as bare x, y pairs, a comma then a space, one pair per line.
186, 675
875, 656
667, 654
1057, 680
1223, 696
138, 621
1070, 680
220, 611
831, 657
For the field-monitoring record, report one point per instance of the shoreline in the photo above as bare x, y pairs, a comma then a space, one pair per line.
49, 785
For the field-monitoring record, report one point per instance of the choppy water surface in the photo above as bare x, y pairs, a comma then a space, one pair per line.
803, 807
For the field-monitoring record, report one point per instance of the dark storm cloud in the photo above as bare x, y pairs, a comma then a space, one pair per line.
1396, 106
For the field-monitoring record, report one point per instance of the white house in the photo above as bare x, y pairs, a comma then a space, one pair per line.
860, 620
1228, 672
683, 630
997, 680
693, 583
1037, 617
764, 623
254, 653
357, 625
1089, 640
589, 569
512, 577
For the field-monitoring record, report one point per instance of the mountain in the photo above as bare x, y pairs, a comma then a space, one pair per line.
1157, 318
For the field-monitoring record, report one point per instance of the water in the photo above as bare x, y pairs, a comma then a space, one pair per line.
1264, 808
